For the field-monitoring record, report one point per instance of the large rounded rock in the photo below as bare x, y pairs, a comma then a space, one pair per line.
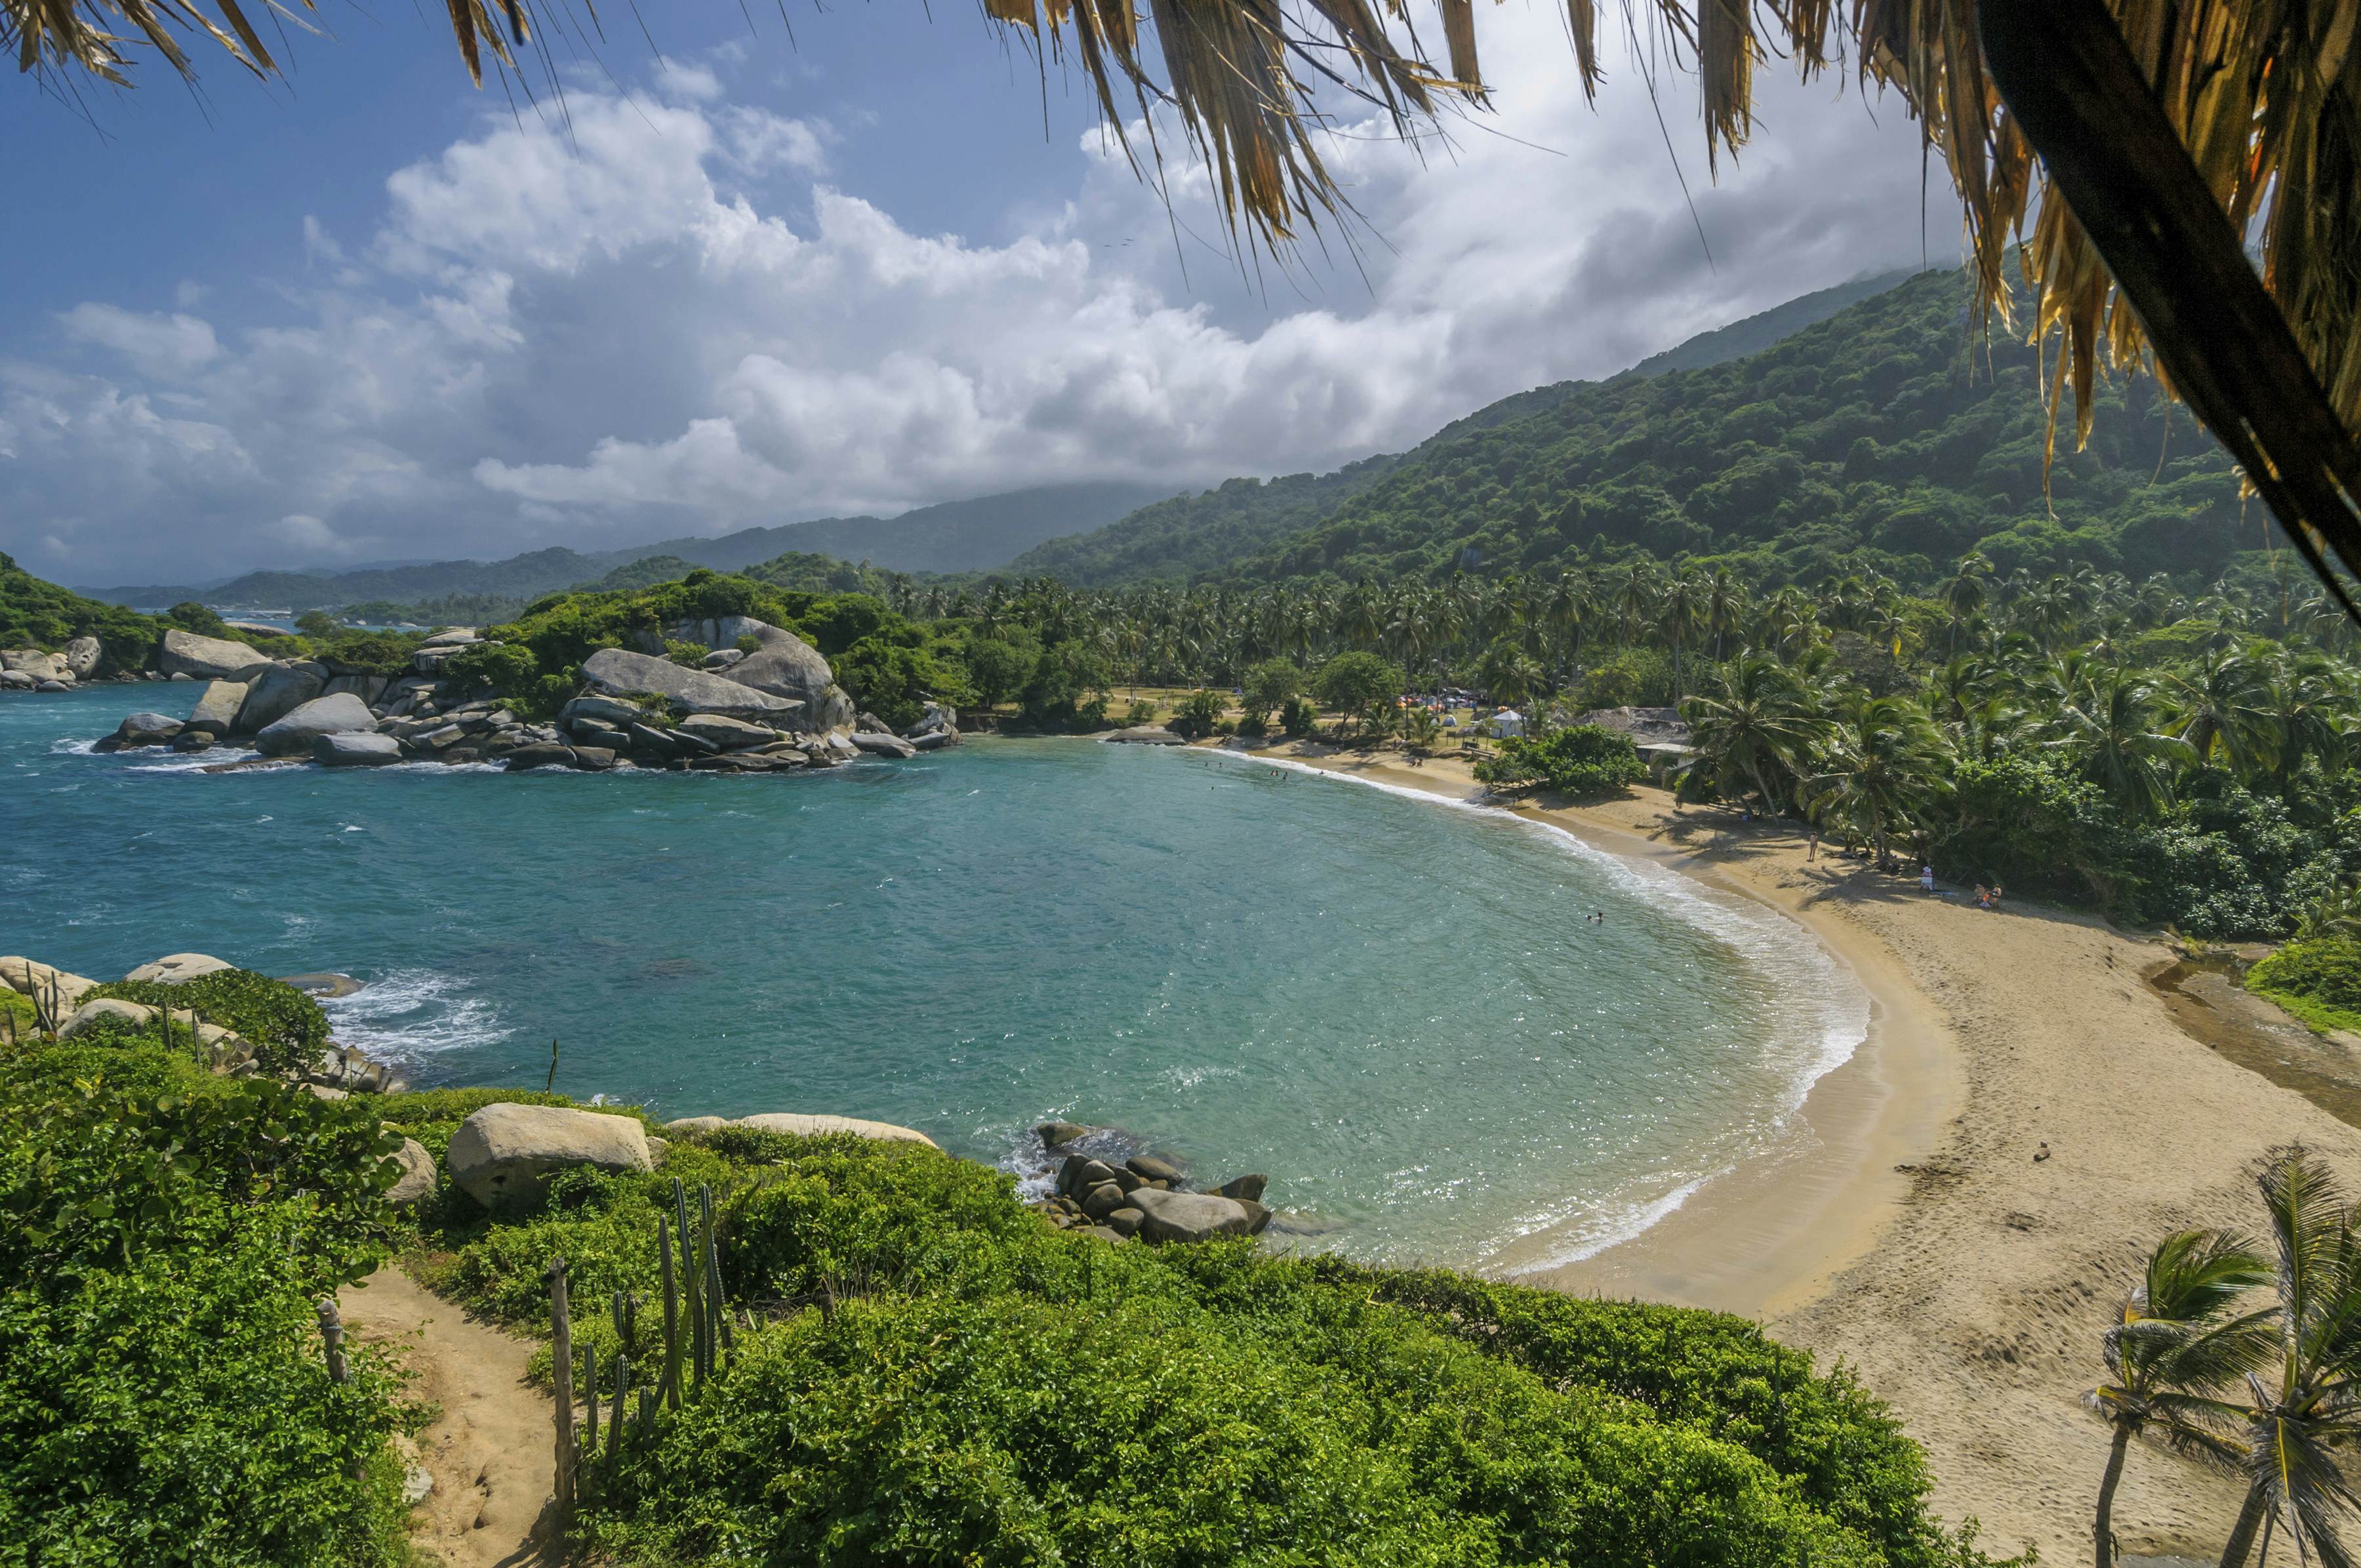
207, 658
140, 729
218, 708
613, 711
292, 736
689, 1126
814, 1126
617, 672
504, 1155
105, 1010
82, 656
725, 733
356, 749
178, 969
1175, 1217
781, 663
417, 1179
18, 681
40, 982
278, 691
37, 663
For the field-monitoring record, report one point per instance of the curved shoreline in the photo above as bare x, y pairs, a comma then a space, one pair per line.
1766, 1235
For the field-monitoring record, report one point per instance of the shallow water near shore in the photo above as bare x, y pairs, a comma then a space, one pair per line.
1399, 1011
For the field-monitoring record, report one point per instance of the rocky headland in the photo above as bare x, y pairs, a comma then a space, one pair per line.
759, 700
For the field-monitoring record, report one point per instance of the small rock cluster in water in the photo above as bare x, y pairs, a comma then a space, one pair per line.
1146, 1196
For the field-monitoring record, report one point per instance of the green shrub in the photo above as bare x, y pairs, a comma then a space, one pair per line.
287, 1028
944, 1379
1581, 759
2317, 981
1299, 717
1199, 712
163, 1235
1141, 711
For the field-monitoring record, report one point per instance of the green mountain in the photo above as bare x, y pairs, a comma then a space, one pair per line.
955, 536
1892, 436
1198, 535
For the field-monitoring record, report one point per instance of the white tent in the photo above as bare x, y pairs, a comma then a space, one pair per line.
1507, 722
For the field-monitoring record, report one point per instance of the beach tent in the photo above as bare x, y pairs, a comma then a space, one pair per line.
1507, 722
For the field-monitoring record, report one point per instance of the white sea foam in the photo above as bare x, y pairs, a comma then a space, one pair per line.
408, 1014
1824, 1019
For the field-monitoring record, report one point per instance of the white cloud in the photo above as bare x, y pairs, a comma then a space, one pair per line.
163, 348
665, 317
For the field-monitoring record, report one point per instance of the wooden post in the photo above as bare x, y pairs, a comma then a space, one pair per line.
562, 1368
672, 1315
332, 1330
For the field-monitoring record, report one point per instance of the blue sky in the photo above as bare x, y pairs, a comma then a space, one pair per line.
369, 313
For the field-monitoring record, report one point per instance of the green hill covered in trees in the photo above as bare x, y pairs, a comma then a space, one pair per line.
1892, 437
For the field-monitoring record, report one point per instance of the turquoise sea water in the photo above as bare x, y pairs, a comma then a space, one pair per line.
1398, 1010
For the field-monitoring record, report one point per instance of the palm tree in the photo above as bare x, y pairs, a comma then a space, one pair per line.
2174, 1343
1963, 594
1881, 770
1758, 721
2223, 707
2303, 1418
2108, 723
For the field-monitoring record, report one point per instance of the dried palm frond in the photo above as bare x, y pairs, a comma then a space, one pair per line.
2264, 97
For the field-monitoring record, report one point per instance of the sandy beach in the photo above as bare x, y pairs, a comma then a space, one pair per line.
1966, 1201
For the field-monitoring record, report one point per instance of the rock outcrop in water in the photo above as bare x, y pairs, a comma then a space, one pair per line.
761, 701
1144, 1196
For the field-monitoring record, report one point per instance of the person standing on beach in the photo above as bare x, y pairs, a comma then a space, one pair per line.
1812, 845
1927, 878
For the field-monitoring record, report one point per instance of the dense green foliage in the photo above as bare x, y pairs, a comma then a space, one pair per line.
1579, 759
946, 1380
163, 1233
2319, 980
286, 1028
37, 614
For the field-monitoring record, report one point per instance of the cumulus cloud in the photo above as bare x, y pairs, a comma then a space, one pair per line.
671, 316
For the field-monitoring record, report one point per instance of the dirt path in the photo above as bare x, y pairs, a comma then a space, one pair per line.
491, 1450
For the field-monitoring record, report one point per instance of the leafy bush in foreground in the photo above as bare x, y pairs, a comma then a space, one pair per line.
943, 1379
163, 1235
287, 1028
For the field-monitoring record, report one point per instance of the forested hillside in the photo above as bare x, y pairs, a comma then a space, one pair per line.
1890, 438
1191, 536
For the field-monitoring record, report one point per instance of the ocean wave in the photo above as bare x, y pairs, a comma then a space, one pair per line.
409, 1013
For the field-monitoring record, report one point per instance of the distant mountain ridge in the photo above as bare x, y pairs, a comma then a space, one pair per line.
952, 536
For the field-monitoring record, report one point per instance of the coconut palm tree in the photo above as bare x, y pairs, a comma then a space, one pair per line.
2108, 723
1759, 720
2301, 1423
2225, 708
1880, 770
2177, 1340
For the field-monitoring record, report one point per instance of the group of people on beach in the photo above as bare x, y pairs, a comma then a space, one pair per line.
1986, 897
